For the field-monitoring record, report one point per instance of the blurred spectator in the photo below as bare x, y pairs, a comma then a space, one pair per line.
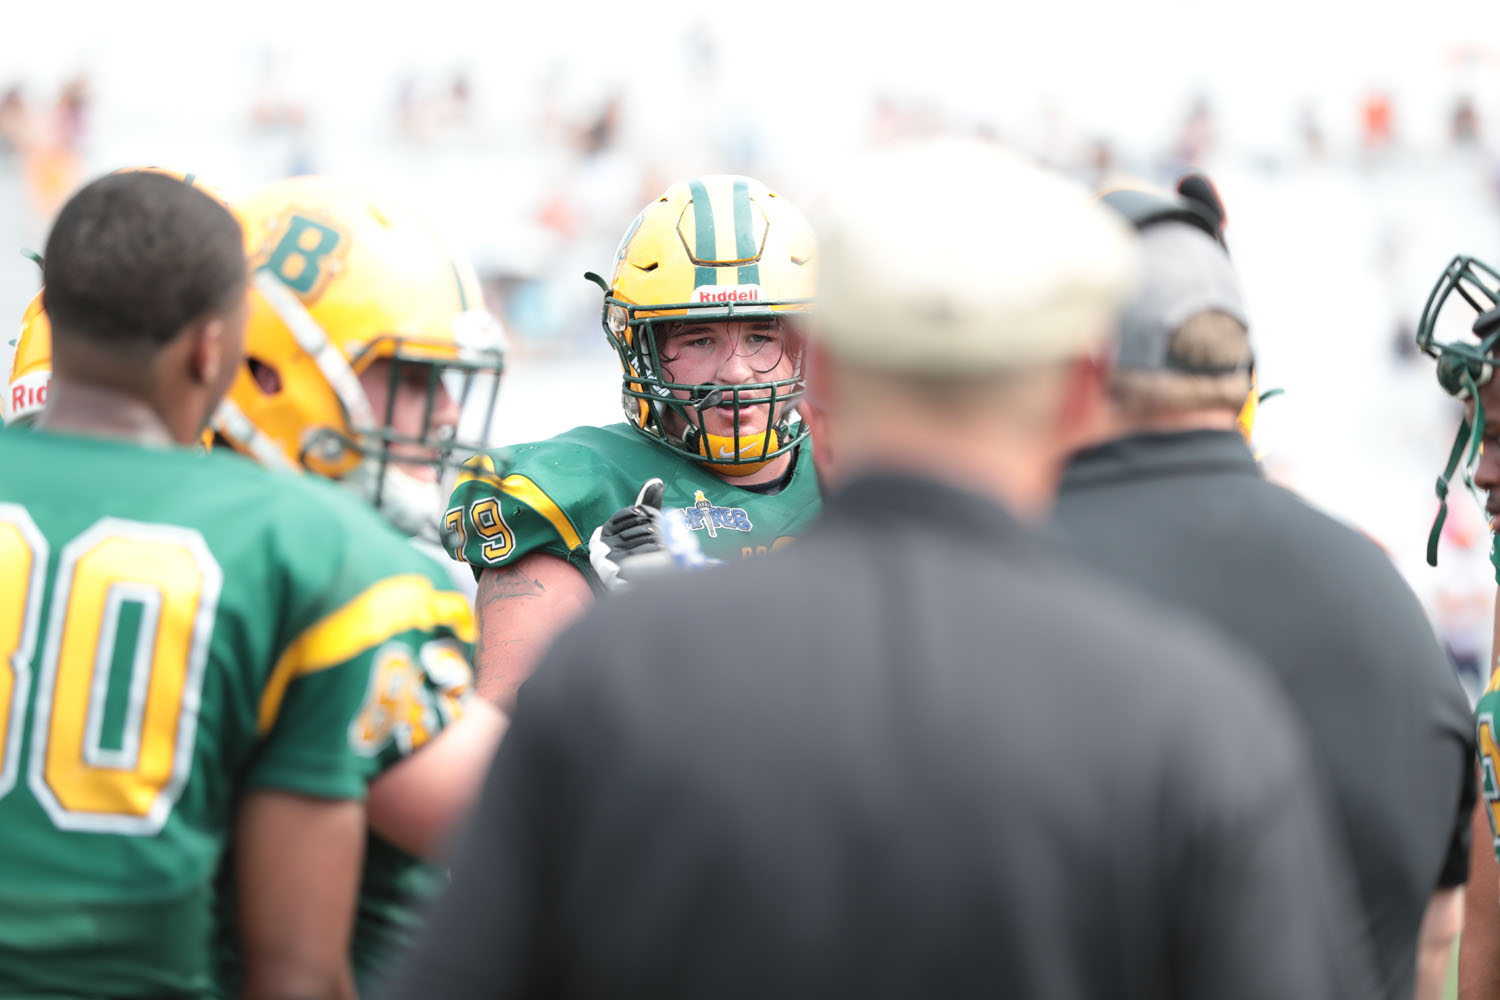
281, 119
1464, 124
1377, 122
600, 135
1101, 164
273, 109
1314, 140
441, 113
73, 106
15, 122
54, 159
1197, 137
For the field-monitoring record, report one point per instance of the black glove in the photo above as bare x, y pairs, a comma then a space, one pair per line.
630, 546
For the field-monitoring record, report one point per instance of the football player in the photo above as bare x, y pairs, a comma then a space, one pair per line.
1465, 369
398, 308
189, 640
31, 363
367, 341
704, 281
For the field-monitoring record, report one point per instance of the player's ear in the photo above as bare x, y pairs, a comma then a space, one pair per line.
205, 349
217, 345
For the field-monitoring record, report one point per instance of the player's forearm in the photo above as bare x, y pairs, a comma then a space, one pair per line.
291, 984
520, 609
1479, 948
1495, 636
417, 804
1440, 926
297, 868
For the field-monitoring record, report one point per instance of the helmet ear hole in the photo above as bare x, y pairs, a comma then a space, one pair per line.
266, 377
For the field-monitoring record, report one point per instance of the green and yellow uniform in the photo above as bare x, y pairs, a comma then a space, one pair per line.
176, 629
549, 496
395, 885
411, 707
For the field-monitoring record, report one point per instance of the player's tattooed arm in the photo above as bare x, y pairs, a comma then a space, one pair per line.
521, 608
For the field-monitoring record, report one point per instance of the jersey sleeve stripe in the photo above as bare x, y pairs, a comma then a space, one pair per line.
480, 469
388, 608
532, 495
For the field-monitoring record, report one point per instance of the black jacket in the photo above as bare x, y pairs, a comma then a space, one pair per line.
910, 756
1188, 519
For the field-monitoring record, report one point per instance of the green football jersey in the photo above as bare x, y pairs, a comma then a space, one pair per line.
549, 496
394, 886
176, 628
393, 893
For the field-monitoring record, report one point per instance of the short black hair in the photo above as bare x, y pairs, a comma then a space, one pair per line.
136, 256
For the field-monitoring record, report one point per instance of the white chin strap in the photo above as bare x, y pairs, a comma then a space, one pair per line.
412, 505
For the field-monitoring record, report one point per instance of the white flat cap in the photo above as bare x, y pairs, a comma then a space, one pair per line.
954, 256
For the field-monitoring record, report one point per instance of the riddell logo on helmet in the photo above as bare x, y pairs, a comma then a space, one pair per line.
726, 293
28, 395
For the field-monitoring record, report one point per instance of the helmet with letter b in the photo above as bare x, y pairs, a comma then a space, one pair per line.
357, 306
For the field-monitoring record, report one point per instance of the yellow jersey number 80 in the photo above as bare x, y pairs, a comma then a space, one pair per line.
167, 572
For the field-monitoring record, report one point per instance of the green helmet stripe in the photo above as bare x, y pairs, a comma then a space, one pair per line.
705, 240
744, 233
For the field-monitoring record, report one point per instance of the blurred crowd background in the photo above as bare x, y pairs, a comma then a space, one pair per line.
1356, 153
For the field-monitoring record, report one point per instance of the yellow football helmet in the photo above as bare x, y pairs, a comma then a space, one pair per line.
30, 367
340, 281
31, 371
717, 248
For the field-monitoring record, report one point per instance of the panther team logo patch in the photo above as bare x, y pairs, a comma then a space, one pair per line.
704, 515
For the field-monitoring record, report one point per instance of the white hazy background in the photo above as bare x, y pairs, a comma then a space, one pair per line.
533, 132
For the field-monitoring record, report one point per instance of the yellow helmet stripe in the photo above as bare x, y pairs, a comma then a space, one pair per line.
744, 234
704, 240
388, 608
